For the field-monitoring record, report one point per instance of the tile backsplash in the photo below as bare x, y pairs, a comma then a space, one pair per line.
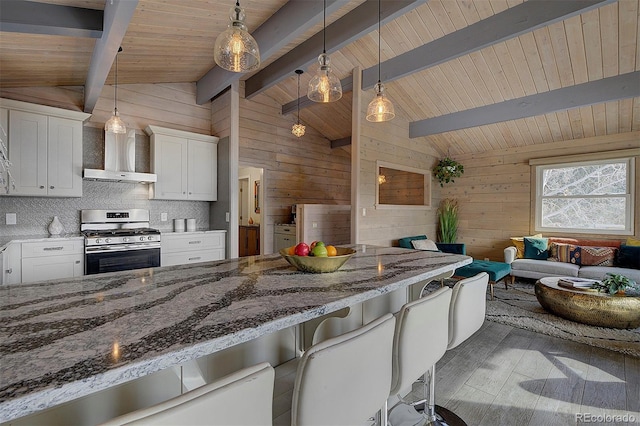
35, 213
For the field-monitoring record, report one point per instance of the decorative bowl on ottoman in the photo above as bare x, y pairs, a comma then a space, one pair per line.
319, 265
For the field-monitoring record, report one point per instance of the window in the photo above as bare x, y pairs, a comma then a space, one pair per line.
402, 187
586, 197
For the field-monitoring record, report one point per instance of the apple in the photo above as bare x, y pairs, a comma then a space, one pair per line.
319, 251
312, 245
302, 249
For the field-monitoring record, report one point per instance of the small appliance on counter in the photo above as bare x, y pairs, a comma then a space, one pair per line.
118, 240
191, 225
178, 225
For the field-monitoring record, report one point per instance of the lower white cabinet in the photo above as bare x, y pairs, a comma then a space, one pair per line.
50, 260
11, 264
185, 248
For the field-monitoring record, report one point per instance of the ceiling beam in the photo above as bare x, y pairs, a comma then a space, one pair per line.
31, 17
341, 142
347, 86
290, 22
117, 15
352, 26
594, 92
515, 21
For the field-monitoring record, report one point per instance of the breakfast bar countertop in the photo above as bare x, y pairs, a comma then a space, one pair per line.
64, 339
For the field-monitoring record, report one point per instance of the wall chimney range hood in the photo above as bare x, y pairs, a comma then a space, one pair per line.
119, 161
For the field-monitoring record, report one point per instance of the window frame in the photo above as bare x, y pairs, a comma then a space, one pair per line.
629, 196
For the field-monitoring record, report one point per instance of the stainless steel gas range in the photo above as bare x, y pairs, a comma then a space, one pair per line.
119, 240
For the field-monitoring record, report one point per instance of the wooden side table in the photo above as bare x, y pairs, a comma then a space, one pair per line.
587, 306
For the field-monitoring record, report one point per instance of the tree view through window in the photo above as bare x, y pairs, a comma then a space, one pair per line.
589, 197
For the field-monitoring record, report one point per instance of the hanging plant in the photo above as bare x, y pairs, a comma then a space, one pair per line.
447, 169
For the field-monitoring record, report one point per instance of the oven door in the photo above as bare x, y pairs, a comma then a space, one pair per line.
97, 262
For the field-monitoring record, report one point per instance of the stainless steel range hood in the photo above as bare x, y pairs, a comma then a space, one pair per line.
120, 161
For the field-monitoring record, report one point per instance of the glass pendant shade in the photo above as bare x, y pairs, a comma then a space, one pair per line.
324, 86
380, 108
298, 130
115, 124
235, 49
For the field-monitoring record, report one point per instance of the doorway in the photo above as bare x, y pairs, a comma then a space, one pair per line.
251, 211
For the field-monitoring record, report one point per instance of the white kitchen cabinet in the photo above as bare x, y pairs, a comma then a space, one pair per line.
192, 247
45, 149
186, 165
50, 260
11, 264
283, 236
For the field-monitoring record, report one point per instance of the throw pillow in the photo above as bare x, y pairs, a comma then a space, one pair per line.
536, 248
518, 243
597, 256
424, 245
567, 253
628, 257
633, 242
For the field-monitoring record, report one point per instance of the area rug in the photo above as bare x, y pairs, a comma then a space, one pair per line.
518, 307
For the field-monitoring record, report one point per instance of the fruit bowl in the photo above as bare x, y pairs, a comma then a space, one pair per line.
319, 265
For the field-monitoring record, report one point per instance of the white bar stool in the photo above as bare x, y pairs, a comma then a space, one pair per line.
223, 403
346, 379
420, 340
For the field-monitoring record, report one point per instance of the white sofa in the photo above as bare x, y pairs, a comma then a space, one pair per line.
530, 268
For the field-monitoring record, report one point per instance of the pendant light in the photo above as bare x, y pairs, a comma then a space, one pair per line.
235, 49
380, 108
115, 124
324, 86
298, 129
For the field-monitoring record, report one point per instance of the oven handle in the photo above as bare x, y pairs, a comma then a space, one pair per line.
124, 247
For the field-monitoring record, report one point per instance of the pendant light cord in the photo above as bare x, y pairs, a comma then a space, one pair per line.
298, 96
115, 87
379, 47
324, 26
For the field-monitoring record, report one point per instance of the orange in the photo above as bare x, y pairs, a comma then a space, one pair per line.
291, 251
331, 251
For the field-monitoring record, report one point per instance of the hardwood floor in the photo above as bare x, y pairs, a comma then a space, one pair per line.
509, 376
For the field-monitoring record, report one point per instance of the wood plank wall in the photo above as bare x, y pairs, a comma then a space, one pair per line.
169, 105
332, 223
389, 141
296, 170
494, 194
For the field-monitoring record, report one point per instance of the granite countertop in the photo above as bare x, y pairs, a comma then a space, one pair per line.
58, 339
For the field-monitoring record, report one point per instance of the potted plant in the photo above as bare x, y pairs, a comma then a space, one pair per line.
447, 169
448, 221
615, 283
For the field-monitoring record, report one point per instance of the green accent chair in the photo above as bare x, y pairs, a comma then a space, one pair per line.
451, 248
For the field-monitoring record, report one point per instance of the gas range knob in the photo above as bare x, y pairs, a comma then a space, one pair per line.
98, 240
141, 238
149, 238
125, 239
107, 240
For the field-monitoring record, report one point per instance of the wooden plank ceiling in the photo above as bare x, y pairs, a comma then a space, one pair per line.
171, 41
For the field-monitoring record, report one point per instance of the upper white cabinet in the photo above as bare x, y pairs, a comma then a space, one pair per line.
45, 149
186, 164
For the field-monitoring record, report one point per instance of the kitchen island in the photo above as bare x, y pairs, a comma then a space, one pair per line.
65, 339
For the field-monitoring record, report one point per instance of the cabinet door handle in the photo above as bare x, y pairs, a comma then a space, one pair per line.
41, 186
10, 271
51, 187
52, 248
77, 262
195, 242
194, 258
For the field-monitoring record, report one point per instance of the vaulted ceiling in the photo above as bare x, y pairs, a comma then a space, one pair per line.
468, 76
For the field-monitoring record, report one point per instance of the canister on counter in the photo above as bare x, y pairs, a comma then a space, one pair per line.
178, 225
